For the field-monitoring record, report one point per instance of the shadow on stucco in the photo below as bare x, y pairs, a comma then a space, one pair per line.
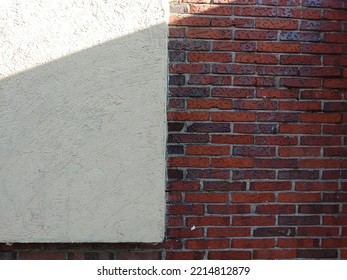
61, 147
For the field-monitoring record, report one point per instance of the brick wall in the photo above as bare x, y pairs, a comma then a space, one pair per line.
257, 136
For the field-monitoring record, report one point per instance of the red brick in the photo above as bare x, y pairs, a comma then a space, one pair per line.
324, 4
253, 220
275, 209
255, 11
253, 243
335, 197
206, 197
208, 221
236, 2
255, 128
207, 33
335, 106
320, 140
174, 197
281, 2
224, 186
252, 197
189, 20
299, 129
232, 139
277, 93
299, 220
208, 127
184, 232
183, 68
335, 220
184, 186
188, 116
177, 32
209, 80
298, 174
297, 243
336, 60
300, 59
276, 163
318, 231
188, 45
270, 186
276, 140
276, 24
228, 232
277, 117
188, 162
254, 151
334, 243
300, 83
188, 138
208, 150
320, 25
319, 163
228, 209
319, 71
254, 81
185, 209
335, 129
174, 221
234, 46
319, 209
211, 9
189, 91
321, 94
317, 254
343, 254
233, 69
298, 152
207, 244
274, 254
208, 173
278, 70
275, 47
40, 255
229, 255
316, 186
335, 83
209, 104
233, 116
300, 36
256, 58
320, 118
337, 152
274, 231
298, 197
231, 162
232, 92
300, 106
310, 14
253, 174
255, 35
334, 15
322, 48
232, 22
209, 57
255, 104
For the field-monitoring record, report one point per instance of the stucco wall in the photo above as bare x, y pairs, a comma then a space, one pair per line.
83, 126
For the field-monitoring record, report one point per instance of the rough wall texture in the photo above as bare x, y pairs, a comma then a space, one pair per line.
83, 121
257, 120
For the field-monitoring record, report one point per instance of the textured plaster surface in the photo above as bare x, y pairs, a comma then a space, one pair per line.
82, 120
